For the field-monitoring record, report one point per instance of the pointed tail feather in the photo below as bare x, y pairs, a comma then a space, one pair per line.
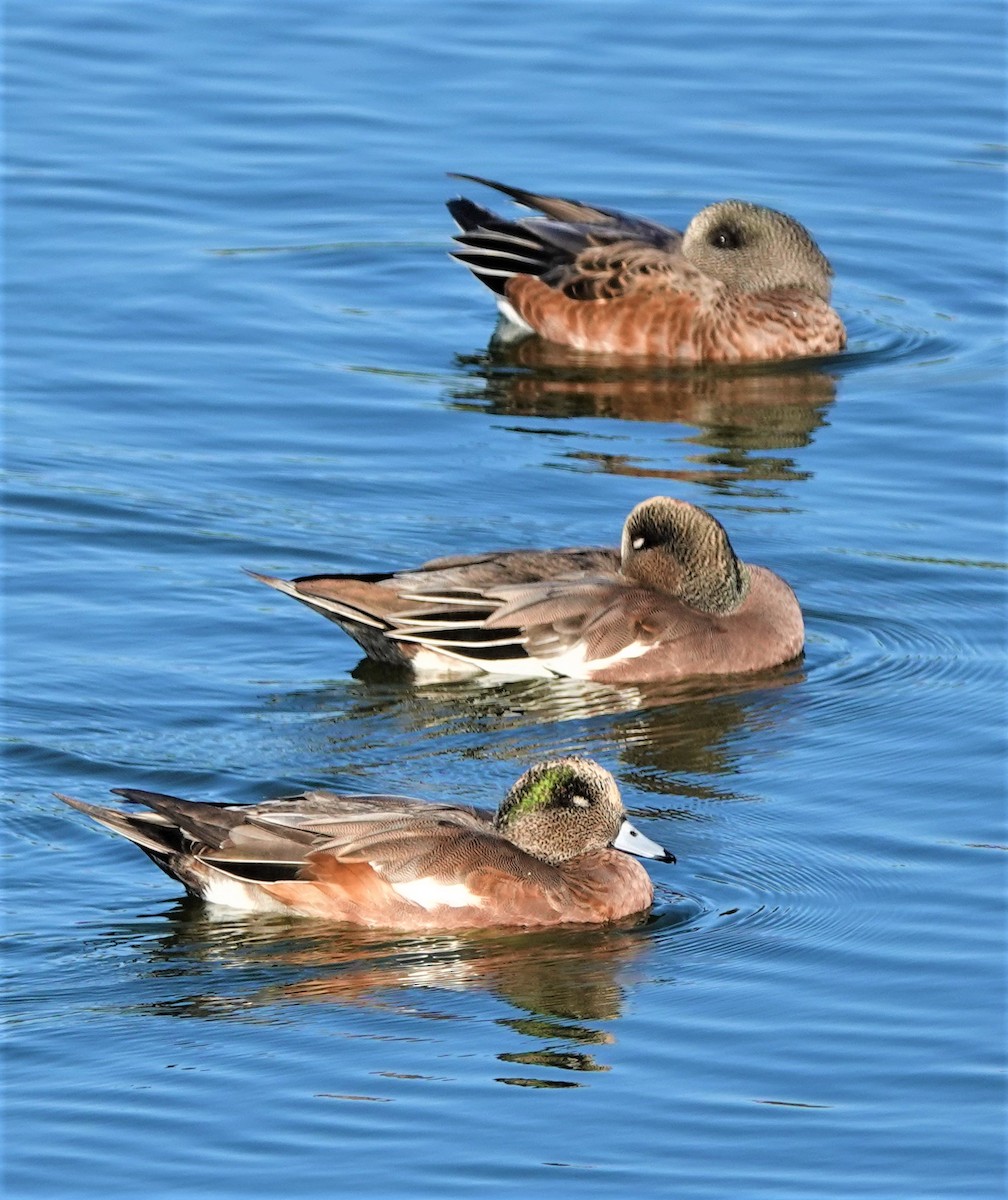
335, 609
151, 833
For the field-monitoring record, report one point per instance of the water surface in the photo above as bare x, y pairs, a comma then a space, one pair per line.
234, 339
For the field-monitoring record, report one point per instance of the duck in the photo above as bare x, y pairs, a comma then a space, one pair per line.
742, 283
674, 601
556, 852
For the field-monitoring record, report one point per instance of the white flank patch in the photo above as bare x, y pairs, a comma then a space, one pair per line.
236, 893
574, 664
433, 662
431, 894
507, 311
446, 663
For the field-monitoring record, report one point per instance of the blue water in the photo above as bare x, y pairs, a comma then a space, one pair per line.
233, 338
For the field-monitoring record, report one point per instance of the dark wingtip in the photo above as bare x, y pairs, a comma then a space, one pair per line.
140, 795
518, 195
490, 183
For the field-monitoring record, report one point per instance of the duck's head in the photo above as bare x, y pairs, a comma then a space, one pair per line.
754, 249
566, 807
675, 547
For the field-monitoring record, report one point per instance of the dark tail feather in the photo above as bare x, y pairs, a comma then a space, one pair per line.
468, 215
495, 250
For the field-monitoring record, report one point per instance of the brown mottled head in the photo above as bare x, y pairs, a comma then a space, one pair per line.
754, 249
561, 809
675, 547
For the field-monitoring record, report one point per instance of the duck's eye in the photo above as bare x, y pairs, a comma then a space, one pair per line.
639, 542
580, 802
725, 237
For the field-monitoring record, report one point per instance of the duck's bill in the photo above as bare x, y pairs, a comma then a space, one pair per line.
632, 841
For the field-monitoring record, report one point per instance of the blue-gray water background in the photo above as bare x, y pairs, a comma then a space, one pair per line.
233, 338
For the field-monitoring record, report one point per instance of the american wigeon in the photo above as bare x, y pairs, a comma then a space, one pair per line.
551, 855
744, 283
673, 601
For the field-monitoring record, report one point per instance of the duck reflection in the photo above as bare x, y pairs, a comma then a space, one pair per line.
670, 737
739, 413
565, 982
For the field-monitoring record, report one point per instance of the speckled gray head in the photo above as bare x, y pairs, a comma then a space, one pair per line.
678, 548
753, 249
566, 807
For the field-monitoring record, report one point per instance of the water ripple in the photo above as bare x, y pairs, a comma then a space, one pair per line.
846, 649
872, 339
760, 887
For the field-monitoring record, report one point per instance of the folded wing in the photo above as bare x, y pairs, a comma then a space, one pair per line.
586, 252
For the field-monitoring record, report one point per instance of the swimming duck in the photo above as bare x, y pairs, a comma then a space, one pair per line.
553, 854
743, 283
673, 601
